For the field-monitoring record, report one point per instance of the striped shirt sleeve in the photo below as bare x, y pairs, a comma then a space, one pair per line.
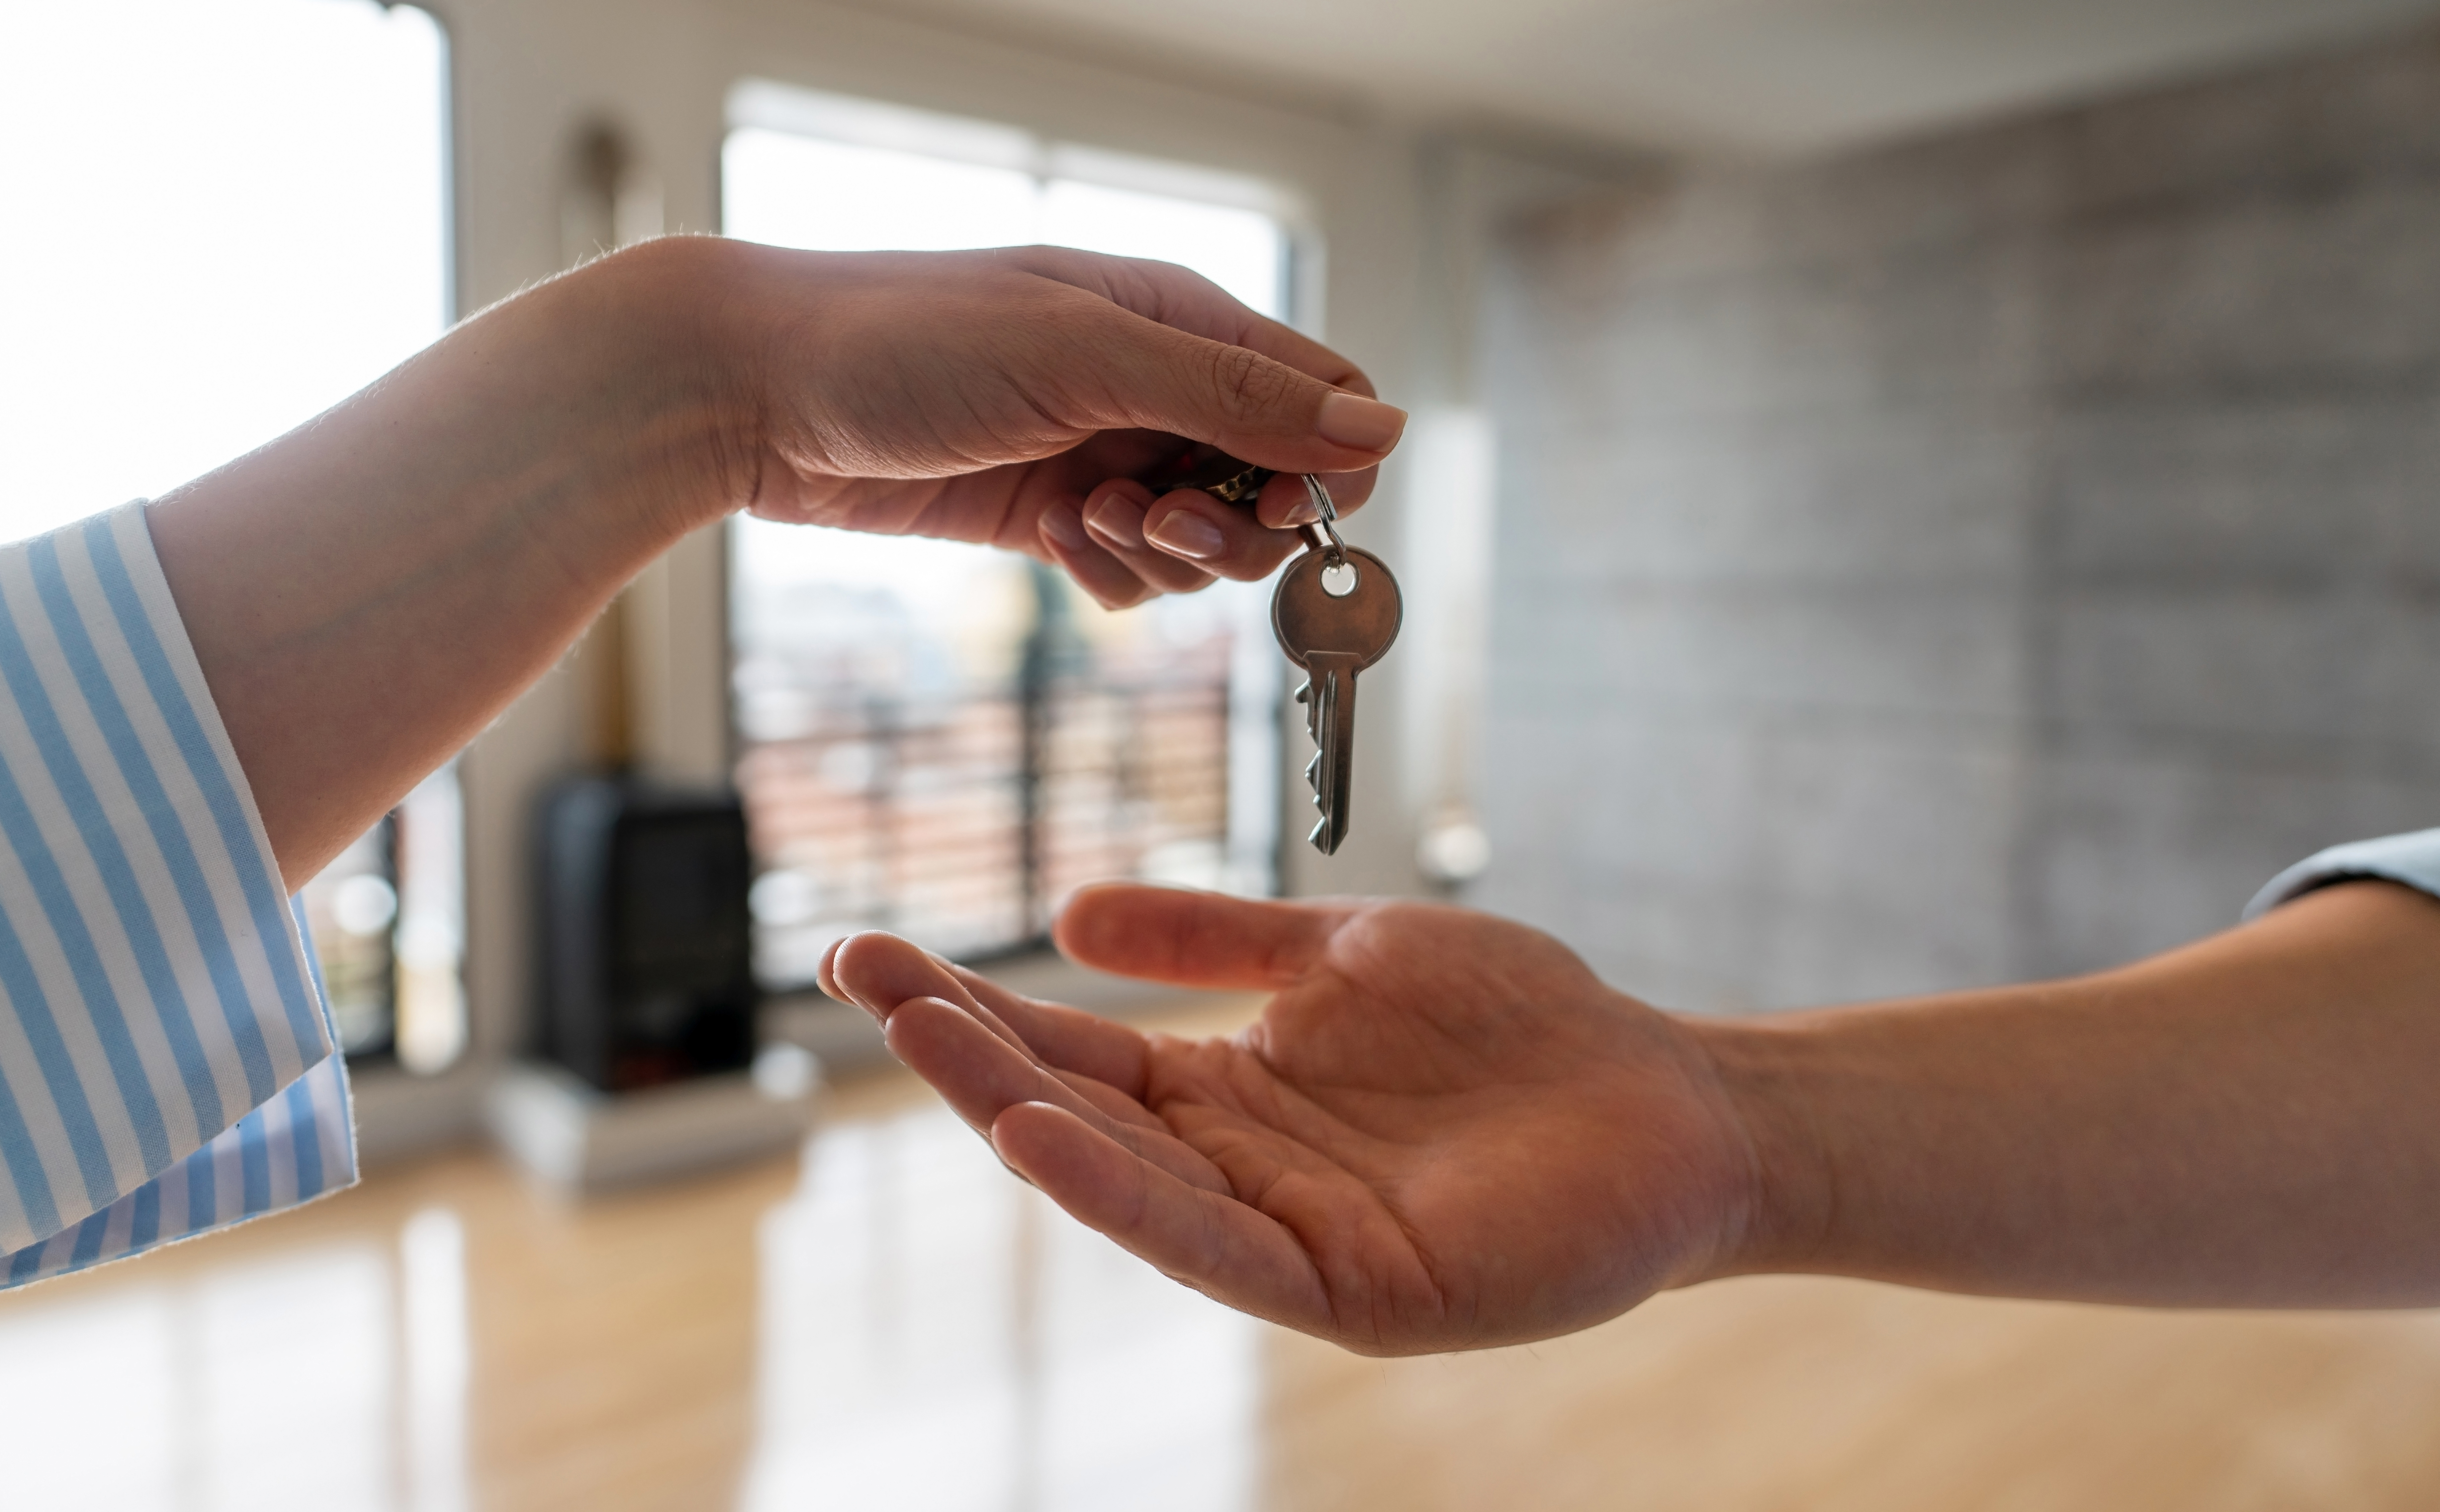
167, 1059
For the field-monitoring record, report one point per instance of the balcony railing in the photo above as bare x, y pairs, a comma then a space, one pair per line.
959, 819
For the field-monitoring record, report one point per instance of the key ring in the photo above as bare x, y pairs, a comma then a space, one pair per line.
1324, 533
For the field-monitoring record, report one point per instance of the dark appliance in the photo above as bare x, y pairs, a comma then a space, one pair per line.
647, 951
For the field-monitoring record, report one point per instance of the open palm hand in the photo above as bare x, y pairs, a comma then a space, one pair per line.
1443, 1132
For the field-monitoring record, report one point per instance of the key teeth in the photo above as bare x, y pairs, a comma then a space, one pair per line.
1323, 837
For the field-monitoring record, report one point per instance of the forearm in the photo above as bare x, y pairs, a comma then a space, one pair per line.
366, 593
2248, 1121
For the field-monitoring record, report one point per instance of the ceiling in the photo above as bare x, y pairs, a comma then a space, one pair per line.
1753, 76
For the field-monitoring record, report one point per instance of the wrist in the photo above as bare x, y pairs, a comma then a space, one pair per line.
641, 366
1770, 1075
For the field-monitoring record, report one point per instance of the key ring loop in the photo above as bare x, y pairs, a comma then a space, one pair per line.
1323, 532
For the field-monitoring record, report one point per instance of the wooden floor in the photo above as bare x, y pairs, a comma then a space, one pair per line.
893, 1323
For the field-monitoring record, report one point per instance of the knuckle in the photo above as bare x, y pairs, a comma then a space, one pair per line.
1250, 384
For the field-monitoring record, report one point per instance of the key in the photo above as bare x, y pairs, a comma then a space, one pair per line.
1334, 618
1336, 612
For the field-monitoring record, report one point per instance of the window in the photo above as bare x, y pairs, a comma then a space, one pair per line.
942, 738
387, 917
225, 218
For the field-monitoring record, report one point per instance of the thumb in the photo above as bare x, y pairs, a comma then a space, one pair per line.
1192, 938
1155, 377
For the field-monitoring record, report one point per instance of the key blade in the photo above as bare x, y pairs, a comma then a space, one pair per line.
1334, 677
1318, 772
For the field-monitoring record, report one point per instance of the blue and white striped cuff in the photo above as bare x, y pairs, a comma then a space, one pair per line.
157, 1005
299, 1145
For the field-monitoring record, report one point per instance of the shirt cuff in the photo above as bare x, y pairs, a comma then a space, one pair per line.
295, 1147
2412, 860
158, 1012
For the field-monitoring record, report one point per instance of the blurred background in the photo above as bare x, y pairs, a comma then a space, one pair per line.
1904, 494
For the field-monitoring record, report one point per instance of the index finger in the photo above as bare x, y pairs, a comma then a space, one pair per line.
1185, 300
880, 971
1193, 939
1261, 368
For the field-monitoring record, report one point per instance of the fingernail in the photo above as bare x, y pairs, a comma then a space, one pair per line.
1060, 523
1366, 424
1115, 521
1189, 535
1300, 513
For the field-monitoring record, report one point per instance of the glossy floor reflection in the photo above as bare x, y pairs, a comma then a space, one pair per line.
896, 1371
892, 1322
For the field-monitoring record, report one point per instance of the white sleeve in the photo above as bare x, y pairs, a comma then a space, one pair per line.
167, 1060
2414, 860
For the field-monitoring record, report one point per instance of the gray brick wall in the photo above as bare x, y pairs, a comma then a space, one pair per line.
1984, 558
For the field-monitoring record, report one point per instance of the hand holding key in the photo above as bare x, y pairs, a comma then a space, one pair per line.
1015, 395
1444, 1132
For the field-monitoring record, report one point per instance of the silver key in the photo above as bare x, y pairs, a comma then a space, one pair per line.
1336, 611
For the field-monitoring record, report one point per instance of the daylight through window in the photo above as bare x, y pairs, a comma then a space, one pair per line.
224, 219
